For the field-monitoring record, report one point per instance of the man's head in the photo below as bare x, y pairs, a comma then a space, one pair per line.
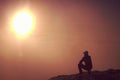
85, 53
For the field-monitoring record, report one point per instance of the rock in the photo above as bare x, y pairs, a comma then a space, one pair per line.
110, 74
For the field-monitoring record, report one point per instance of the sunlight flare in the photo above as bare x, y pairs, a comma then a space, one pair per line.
23, 23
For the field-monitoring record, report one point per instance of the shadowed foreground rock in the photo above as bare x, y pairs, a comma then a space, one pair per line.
95, 75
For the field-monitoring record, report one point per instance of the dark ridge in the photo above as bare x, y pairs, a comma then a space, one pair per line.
110, 74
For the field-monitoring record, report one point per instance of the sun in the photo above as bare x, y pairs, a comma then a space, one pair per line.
23, 23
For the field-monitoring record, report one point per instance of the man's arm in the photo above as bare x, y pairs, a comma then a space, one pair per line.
81, 60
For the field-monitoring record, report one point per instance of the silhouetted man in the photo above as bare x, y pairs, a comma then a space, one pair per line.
85, 63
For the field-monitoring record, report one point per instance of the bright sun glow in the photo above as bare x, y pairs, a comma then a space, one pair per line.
23, 23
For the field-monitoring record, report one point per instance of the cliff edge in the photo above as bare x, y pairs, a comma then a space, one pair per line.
110, 74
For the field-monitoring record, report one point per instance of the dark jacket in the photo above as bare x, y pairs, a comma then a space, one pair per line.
88, 62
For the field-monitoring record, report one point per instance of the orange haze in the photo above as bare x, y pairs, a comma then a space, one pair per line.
64, 30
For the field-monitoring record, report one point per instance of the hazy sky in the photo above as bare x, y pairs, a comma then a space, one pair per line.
64, 30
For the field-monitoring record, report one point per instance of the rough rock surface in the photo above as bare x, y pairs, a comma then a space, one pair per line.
110, 74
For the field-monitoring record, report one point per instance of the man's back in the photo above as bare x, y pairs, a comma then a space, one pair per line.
88, 62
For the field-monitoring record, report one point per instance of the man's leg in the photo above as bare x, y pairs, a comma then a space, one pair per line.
80, 66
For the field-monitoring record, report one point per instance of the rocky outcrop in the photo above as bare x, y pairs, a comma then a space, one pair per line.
110, 74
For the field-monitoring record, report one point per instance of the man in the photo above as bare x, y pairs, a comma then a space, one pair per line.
85, 63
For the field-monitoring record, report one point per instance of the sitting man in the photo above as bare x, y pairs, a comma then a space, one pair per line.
85, 63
